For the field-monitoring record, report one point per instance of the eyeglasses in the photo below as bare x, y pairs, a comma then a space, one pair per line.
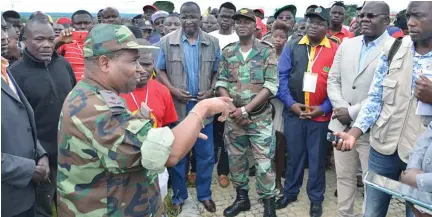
370, 15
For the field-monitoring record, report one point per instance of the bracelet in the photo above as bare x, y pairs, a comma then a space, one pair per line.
199, 116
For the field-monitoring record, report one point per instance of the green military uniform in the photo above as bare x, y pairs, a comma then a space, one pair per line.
108, 158
244, 79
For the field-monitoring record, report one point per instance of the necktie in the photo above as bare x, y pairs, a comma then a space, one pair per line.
4, 65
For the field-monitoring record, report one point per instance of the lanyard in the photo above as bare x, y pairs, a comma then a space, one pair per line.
311, 63
134, 99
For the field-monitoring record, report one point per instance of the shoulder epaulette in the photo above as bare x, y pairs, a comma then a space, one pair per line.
229, 45
114, 101
267, 43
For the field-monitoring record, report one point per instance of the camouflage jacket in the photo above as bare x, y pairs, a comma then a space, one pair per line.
106, 163
244, 79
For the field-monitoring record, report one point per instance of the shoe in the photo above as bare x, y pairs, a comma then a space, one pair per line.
209, 205
191, 178
316, 210
223, 181
252, 171
284, 201
241, 204
360, 182
269, 207
335, 194
177, 208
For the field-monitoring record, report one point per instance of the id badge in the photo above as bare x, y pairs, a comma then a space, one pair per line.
310, 80
145, 111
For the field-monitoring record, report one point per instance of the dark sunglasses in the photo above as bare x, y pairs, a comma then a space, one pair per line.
370, 15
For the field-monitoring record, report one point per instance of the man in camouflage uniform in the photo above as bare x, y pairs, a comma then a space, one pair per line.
108, 158
248, 74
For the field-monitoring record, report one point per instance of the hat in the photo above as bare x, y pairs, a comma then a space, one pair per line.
320, 12
291, 8
150, 6
248, 13
108, 38
64, 20
361, 5
164, 6
145, 24
259, 10
159, 14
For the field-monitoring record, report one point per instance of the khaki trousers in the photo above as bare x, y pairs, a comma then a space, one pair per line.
346, 174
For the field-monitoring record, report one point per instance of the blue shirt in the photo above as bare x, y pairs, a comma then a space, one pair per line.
366, 49
284, 94
371, 110
191, 57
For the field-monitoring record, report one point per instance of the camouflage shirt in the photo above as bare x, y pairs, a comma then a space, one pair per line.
244, 79
108, 158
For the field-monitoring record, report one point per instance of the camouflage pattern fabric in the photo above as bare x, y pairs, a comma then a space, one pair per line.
100, 169
107, 38
244, 80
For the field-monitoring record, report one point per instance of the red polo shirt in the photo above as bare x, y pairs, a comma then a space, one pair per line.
344, 33
159, 100
73, 53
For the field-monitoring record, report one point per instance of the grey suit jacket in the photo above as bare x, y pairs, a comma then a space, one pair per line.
421, 158
348, 82
20, 151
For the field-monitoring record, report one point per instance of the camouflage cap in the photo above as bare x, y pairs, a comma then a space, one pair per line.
107, 38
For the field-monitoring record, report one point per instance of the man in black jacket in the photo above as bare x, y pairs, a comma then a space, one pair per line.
45, 78
24, 163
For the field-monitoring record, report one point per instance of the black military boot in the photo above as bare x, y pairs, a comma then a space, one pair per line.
269, 207
241, 204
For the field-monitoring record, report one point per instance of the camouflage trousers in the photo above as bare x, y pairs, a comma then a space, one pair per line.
259, 137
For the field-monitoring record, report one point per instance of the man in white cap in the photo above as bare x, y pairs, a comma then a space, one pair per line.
158, 25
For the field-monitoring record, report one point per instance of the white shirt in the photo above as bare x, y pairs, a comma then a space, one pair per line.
11, 85
224, 40
245, 54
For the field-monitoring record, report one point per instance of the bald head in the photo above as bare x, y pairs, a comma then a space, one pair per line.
111, 16
209, 23
380, 6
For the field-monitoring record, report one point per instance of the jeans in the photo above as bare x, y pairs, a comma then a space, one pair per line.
204, 155
391, 166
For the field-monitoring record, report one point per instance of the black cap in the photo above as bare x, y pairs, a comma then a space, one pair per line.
244, 12
319, 12
291, 8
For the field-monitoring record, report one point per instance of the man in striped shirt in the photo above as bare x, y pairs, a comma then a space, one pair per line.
72, 49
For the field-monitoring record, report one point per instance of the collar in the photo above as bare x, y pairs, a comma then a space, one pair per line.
324, 42
185, 39
344, 31
30, 59
378, 40
176, 37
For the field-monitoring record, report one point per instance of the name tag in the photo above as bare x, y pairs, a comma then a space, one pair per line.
310, 80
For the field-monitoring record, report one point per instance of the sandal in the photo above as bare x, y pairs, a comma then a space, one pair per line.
192, 178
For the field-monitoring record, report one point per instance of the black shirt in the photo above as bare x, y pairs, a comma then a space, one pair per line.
45, 87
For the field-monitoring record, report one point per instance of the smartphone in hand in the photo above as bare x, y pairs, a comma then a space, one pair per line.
332, 138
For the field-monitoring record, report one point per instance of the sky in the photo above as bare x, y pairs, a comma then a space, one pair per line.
135, 6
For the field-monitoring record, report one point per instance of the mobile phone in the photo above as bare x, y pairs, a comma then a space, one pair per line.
79, 36
332, 138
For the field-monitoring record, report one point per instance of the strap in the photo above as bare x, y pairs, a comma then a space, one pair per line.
393, 50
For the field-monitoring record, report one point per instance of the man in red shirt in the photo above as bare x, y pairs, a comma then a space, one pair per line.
72, 49
150, 91
337, 17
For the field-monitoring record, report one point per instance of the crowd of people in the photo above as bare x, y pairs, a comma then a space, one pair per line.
95, 109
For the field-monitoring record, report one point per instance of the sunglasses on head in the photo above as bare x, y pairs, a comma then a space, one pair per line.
369, 15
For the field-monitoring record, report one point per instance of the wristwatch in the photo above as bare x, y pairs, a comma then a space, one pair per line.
244, 112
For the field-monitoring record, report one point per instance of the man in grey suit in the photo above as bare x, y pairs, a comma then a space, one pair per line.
348, 84
24, 163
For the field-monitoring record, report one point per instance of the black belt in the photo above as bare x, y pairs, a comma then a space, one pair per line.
260, 109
